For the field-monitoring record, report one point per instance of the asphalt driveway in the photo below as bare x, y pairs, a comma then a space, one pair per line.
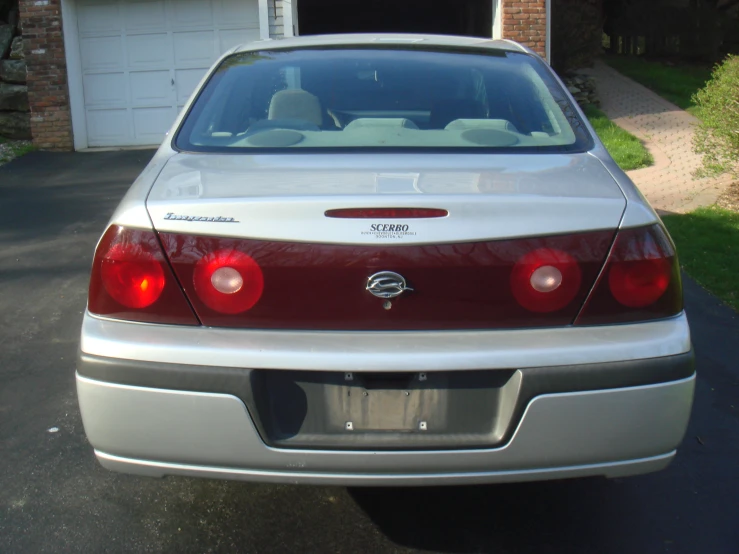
55, 498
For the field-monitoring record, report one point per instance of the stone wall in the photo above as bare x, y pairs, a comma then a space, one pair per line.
582, 87
48, 95
15, 121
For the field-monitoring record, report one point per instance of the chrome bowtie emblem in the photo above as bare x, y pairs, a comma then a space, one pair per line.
387, 284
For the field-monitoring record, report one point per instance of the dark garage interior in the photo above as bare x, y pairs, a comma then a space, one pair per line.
447, 17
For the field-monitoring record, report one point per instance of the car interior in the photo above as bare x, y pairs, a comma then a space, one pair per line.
380, 103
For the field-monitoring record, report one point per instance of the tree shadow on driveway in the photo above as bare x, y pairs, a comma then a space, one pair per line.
43, 193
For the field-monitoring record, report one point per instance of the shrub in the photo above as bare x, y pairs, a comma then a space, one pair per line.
717, 138
577, 33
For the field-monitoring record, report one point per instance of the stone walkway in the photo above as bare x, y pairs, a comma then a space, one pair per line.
667, 132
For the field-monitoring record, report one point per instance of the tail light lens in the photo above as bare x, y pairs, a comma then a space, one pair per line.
132, 280
228, 281
545, 280
532, 282
640, 281
132, 276
511, 283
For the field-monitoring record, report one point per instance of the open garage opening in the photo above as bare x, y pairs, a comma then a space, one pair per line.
446, 17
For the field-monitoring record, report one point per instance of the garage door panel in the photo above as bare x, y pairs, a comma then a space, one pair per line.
237, 13
234, 37
149, 51
192, 13
101, 53
194, 48
150, 124
98, 16
151, 88
185, 82
108, 127
142, 59
105, 89
145, 15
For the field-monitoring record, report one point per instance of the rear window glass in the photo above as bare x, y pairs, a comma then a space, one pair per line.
340, 99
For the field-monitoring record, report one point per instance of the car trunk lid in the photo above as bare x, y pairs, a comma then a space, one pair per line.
316, 271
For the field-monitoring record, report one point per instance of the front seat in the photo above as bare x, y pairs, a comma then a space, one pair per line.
296, 104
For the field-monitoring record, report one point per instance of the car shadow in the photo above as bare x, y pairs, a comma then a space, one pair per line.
520, 517
689, 507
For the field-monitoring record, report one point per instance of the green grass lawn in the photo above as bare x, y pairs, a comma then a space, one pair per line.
708, 246
676, 83
626, 149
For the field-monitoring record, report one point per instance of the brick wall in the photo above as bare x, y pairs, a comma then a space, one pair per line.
48, 96
525, 21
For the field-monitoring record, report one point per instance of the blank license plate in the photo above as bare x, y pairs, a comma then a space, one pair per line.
359, 409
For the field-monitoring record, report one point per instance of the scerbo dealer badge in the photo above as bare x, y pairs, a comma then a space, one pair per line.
390, 231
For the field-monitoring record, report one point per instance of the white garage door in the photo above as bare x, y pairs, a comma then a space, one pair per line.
141, 60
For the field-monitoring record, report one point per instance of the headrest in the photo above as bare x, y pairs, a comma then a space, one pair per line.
385, 122
498, 124
296, 104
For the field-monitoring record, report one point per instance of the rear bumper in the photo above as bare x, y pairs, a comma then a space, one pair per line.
460, 410
157, 432
607, 401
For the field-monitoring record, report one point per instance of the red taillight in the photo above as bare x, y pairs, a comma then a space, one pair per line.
640, 281
545, 280
132, 276
386, 213
228, 281
132, 280
261, 284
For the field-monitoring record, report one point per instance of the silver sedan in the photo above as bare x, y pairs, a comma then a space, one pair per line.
384, 260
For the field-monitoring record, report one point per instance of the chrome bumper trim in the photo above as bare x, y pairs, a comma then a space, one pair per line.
160, 469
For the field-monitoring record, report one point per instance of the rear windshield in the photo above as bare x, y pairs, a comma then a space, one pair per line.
339, 99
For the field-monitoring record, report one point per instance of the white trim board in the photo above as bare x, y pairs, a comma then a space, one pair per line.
74, 74
289, 17
497, 19
549, 32
263, 19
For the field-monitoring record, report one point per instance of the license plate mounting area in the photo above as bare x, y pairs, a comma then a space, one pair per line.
382, 410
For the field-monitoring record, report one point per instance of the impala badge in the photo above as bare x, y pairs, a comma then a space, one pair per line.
387, 284
212, 219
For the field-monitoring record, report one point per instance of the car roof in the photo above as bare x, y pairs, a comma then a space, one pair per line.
384, 39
